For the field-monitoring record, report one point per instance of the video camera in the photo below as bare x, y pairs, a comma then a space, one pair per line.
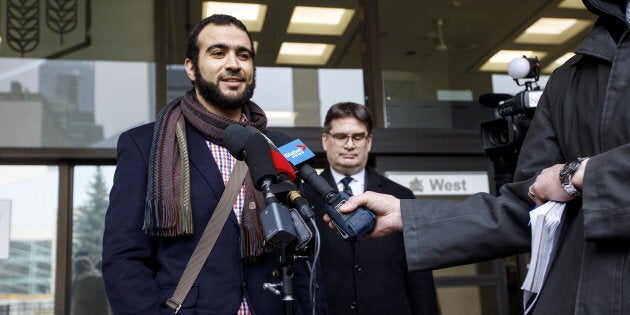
502, 138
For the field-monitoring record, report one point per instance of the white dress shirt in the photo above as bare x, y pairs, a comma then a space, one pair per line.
357, 184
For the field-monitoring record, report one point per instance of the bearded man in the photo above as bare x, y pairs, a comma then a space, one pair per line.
169, 178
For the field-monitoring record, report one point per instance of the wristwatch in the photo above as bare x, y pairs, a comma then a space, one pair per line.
566, 173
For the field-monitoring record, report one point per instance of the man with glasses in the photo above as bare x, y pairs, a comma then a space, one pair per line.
369, 276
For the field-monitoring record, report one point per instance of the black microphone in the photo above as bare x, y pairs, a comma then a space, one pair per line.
290, 194
284, 188
237, 137
234, 137
350, 226
275, 218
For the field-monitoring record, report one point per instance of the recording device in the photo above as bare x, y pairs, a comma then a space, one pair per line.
287, 192
502, 138
275, 218
350, 226
280, 172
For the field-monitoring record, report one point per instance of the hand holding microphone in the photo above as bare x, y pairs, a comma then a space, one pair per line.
350, 226
385, 207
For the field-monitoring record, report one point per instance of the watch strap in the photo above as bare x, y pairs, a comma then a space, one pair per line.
566, 173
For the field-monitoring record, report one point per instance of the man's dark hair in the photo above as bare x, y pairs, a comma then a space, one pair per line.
192, 45
348, 109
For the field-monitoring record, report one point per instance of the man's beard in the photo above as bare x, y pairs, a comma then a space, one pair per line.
211, 93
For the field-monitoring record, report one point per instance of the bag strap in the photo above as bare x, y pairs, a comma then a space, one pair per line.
209, 236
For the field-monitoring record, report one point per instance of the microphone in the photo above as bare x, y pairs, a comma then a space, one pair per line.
234, 137
275, 218
282, 166
524, 68
290, 194
235, 143
351, 226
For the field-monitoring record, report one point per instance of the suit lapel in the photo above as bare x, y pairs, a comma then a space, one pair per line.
327, 175
202, 161
373, 182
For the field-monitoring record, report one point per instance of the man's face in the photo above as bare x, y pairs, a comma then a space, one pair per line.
224, 76
349, 154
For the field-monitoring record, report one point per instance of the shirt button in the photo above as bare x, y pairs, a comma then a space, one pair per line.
358, 268
353, 306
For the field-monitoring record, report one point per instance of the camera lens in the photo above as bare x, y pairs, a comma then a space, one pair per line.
499, 137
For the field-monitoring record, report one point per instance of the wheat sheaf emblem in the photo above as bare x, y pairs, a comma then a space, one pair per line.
61, 16
23, 25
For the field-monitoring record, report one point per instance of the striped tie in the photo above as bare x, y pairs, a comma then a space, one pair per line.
346, 185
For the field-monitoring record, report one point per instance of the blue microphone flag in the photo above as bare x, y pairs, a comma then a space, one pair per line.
296, 152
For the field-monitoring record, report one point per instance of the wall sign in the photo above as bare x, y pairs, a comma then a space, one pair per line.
44, 28
442, 183
5, 224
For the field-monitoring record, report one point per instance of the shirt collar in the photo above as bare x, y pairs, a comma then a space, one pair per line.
358, 183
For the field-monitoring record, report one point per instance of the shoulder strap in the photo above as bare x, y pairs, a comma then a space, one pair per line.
209, 236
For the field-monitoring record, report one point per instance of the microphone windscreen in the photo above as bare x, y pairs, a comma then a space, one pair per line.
278, 138
519, 68
234, 137
282, 165
252, 129
258, 158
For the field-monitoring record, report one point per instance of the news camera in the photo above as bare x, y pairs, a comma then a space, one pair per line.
502, 138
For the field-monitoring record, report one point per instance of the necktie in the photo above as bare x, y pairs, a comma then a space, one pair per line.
346, 185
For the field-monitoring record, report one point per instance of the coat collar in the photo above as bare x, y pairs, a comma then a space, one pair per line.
609, 28
599, 43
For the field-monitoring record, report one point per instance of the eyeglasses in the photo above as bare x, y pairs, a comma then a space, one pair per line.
357, 138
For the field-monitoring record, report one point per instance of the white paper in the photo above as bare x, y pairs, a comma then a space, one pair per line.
5, 224
546, 225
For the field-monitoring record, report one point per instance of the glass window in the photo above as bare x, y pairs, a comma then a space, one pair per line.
91, 198
52, 103
27, 277
291, 97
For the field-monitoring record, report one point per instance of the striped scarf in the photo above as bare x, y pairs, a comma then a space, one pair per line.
168, 212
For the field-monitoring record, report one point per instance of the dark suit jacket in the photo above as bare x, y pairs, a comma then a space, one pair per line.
370, 276
141, 273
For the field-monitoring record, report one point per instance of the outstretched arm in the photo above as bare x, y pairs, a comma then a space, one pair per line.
385, 207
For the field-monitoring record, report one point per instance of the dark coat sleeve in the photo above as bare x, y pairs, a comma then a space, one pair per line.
420, 283
606, 196
127, 254
444, 233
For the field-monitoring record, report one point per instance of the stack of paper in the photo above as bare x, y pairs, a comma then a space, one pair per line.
546, 226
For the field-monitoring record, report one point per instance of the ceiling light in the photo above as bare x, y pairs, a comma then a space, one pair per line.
571, 4
558, 62
552, 31
500, 60
251, 14
316, 54
550, 26
319, 21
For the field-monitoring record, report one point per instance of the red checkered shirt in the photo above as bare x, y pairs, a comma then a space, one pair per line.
225, 161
